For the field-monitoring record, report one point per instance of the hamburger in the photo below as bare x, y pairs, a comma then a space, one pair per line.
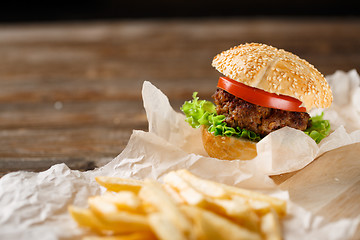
262, 90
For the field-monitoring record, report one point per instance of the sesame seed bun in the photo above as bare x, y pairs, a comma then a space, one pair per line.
228, 148
275, 71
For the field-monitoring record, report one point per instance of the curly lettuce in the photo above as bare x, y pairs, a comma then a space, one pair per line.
202, 112
319, 129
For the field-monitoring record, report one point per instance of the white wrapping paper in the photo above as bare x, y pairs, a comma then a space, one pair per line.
34, 205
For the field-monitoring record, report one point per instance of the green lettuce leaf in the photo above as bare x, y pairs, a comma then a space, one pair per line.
198, 111
319, 129
202, 112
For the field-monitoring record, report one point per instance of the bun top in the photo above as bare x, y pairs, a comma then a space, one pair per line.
275, 71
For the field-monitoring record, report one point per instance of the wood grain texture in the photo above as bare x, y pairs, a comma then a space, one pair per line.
72, 92
329, 186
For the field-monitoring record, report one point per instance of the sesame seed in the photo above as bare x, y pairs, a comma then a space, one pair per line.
244, 62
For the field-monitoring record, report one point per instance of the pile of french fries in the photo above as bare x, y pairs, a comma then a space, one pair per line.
183, 207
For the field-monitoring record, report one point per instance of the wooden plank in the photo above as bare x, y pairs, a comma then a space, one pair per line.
34, 136
164, 50
329, 186
71, 92
59, 114
342, 170
86, 77
80, 148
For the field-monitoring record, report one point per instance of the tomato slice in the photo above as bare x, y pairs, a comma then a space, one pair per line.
260, 97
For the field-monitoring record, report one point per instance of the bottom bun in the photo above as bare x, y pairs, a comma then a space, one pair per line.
228, 148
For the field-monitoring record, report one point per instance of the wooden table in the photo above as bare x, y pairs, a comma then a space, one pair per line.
71, 92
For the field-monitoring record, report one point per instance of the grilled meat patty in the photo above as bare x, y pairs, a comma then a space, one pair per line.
261, 120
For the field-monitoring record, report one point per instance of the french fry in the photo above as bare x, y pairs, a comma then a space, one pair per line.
165, 229
153, 193
218, 190
277, 204
184, 207
124, 200
206, 187
119, 184
122, 221
233, 209
85, 218
132, 236
101, 207
270, 226
260, 207
216, 227
185, 190
173, 194
238, 212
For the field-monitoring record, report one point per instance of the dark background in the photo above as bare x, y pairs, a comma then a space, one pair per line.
37, 11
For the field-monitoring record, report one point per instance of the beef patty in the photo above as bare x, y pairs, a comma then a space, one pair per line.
261, 120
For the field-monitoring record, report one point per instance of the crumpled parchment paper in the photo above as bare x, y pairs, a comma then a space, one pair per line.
34, 205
